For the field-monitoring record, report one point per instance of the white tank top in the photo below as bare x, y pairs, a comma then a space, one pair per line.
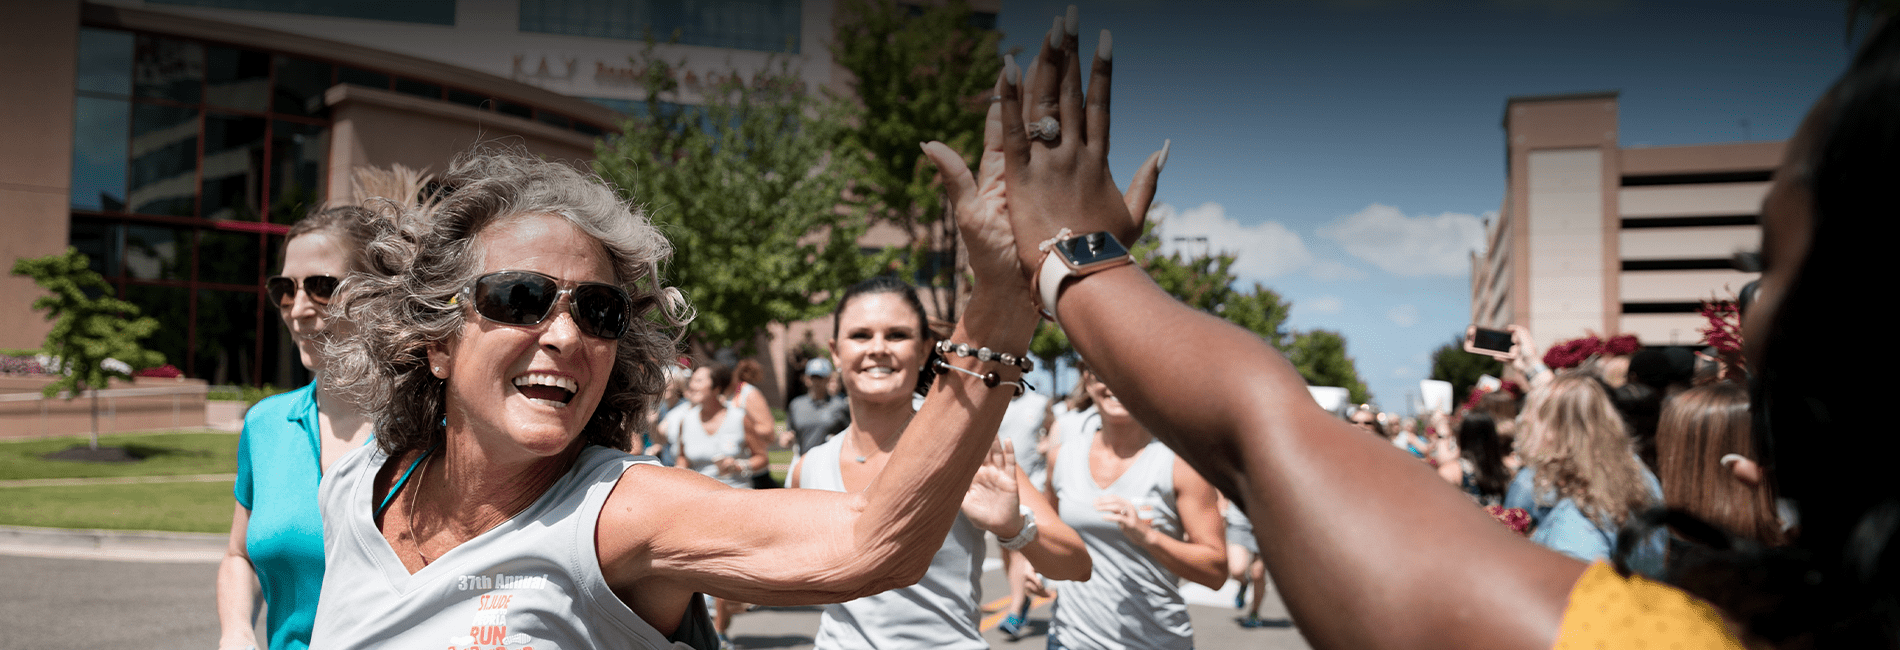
1130, 601
937, 613
701, 448
1022, 426
533, 581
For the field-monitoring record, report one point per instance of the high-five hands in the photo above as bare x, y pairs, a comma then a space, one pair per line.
1025, 191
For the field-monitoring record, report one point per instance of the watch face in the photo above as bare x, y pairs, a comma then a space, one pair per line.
1091, 248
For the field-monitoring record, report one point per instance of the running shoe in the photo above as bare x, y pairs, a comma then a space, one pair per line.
1240, 597
1012, 626
1252, 622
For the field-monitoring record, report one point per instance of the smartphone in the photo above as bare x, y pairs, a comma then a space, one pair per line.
1490, 342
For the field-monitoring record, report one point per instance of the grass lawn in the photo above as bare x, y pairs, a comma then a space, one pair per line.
181, 507
166, 454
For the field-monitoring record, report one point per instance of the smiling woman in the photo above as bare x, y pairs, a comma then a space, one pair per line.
515, 336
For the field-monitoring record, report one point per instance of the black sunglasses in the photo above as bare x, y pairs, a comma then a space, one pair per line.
283, 290
526, 298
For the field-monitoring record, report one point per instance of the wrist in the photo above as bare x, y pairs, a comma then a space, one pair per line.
1025, 532
1009, 529
1000, 319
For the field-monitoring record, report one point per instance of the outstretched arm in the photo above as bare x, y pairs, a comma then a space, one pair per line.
1340, 513
811, 546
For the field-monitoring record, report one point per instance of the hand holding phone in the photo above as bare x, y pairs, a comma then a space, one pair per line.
1490, 342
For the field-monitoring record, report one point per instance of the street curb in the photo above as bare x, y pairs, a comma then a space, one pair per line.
133, 545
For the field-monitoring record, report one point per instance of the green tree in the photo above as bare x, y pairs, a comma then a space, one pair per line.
1320, 356
1451, 363
917, 74
1206, 282
90, 327
748, 190
1050, 347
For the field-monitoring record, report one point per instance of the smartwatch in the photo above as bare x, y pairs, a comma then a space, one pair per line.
1076, 257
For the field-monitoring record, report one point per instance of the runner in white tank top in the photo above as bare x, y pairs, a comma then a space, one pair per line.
881, 345
1147, 520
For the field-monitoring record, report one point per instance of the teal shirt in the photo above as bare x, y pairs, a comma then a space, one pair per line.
279, 466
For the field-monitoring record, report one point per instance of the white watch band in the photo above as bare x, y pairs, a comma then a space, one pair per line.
1026, 535
1049, 282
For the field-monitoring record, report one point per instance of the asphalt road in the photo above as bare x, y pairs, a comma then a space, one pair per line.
90, 602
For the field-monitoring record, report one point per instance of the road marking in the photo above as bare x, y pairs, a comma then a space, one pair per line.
1001, 604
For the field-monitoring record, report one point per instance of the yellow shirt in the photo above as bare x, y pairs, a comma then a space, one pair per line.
1609, 611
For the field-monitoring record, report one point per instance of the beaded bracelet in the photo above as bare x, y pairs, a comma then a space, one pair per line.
990, 379
986, 354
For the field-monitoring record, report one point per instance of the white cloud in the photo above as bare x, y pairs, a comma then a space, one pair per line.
1403, 315
1322, 305
1261, 251
1401, 245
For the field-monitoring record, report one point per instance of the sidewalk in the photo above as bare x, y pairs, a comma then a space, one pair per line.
116, 480
121, 545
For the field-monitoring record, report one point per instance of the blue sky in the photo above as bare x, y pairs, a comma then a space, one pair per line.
1348, 150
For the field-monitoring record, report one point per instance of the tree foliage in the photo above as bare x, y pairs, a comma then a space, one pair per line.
1451, 363
748, 190
917, 74
1206, 282
1320, 356
90, 327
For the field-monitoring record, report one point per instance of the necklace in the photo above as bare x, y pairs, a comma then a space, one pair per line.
853, 442
415, 499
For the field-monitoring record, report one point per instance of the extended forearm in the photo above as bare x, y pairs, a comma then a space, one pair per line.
1057, 551
1198, 563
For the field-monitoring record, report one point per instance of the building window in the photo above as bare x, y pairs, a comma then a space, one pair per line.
764, 25
430, 12
189, 159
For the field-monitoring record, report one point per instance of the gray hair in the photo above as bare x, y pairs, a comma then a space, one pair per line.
418, 262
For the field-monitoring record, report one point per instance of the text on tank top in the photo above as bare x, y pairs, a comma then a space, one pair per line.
534, 580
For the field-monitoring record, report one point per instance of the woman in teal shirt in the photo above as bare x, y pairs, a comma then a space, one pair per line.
288, 442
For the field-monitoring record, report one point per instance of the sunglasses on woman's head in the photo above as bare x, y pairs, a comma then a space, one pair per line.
526, 298
283, 290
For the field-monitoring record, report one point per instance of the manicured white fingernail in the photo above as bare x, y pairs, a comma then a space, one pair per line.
1012, 75
1072, 21
1055, 33
1105, 49
1163, 162
1729, 460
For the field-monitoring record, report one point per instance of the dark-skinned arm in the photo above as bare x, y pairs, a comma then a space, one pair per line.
1370, 548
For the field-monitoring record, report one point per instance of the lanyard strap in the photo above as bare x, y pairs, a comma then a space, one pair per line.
404, 480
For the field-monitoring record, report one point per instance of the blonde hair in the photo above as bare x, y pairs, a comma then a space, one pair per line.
1582, 451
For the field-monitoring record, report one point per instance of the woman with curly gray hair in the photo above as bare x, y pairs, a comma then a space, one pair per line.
506, 351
